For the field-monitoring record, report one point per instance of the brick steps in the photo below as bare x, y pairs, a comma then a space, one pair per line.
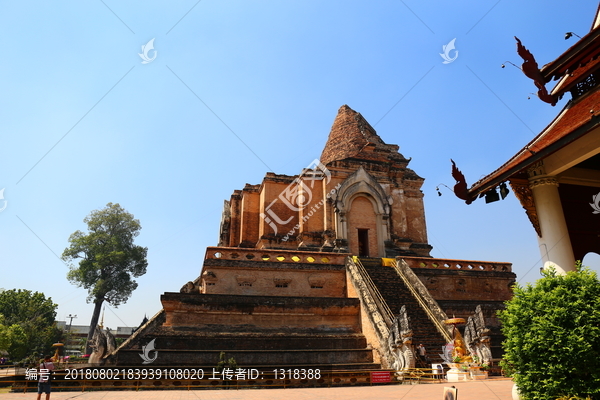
396, 294
261, 331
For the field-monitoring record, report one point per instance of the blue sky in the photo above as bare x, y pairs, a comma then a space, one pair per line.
240, 88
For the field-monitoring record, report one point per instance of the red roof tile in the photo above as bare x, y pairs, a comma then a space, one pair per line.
575, 115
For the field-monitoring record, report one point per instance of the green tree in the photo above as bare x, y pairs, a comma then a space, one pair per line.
109, 258
13, 340
34, 315
552, 330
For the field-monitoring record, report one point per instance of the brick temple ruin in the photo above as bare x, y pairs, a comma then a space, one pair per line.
330, 268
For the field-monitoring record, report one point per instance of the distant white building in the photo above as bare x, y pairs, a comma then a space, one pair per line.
121, 331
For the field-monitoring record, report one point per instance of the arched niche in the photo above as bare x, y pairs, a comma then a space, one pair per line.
362, 185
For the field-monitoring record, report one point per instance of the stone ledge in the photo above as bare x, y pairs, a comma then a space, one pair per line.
461, 272
451, 264
235, 264
267, 255
277, 301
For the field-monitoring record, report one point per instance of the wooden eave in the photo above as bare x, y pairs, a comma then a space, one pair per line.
567, 127
581, 53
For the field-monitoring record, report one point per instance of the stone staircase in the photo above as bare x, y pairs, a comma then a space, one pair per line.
396, 294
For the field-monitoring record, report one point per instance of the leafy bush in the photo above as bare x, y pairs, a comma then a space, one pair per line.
12, 339
552, 329
28, 323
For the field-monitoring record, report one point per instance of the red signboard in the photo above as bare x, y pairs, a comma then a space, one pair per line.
380, 376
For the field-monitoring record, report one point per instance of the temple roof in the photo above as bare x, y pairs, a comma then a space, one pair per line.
352, 136
574, 121
577, 76
576, 66
577, 57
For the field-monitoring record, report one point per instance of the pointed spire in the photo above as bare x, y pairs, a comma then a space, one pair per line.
352, 136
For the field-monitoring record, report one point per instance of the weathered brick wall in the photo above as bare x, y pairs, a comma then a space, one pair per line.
272, 273
273, 279
249, 216
260, 313
353, 144
312, 215
236, 218
415, 212
467, 285
273, 185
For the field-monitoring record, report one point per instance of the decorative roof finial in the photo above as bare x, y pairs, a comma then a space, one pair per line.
531, 70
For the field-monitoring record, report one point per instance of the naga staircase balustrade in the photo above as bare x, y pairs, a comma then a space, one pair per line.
393, 332
382, 306
421, 294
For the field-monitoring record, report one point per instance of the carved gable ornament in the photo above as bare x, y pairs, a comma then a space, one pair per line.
361, 182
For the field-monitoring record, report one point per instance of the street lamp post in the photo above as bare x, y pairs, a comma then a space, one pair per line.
71, 321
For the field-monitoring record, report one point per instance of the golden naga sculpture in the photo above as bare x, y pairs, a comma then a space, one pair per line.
459, 352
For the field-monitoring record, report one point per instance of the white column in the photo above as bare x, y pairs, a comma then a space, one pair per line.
555, 243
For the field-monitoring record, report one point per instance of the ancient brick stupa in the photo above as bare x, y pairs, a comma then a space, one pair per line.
359, 198
327, 268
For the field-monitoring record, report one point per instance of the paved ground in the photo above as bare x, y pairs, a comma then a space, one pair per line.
491, 389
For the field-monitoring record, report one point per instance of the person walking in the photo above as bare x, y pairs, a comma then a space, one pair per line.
423, 353
46, 368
